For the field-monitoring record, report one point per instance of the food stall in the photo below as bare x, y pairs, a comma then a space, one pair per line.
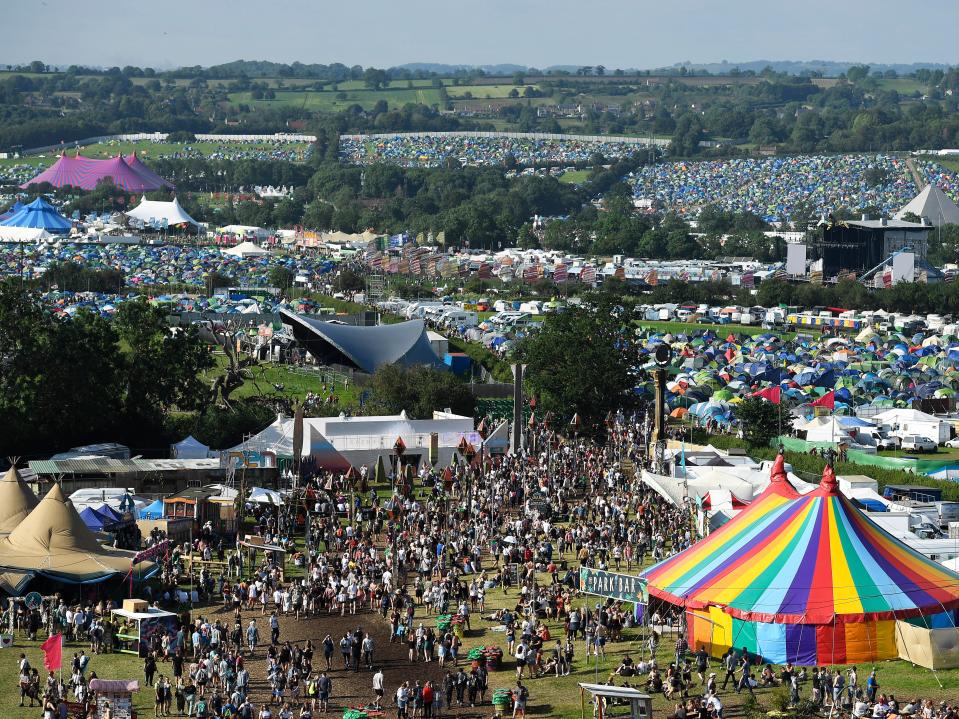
138, 623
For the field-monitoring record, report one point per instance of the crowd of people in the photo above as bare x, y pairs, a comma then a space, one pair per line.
775, 188
423, 563
426, 150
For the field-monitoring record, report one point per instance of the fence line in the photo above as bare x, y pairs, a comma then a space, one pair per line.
641, 141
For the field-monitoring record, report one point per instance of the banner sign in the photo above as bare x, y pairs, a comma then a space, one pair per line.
153, 552
614, 586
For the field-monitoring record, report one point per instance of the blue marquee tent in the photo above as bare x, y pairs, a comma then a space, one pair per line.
39, 214
152, 511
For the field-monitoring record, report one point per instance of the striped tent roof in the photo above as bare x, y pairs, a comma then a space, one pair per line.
86, 172
137, 165
811, 559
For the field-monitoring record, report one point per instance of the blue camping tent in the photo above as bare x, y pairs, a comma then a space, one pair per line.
95, 520
109, 512
152, 511
39, 214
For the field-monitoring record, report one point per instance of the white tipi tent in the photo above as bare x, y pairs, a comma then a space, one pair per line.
933, 204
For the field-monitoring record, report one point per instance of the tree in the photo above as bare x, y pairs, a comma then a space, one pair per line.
280, 277
580, 362
418, 391
759, 420
163, 365
375, 79
348, 280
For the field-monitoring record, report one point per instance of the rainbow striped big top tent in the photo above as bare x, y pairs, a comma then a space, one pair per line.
807, 579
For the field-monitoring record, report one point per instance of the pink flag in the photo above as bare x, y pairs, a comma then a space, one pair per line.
53, 652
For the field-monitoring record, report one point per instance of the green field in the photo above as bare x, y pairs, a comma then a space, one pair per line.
575, 177
688, 327
148, 150
333, 101
902, 85
950, 163
296, 384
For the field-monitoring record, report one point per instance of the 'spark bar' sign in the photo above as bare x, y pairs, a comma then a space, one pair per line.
615, 586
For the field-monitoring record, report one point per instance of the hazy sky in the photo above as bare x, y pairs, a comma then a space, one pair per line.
381, 33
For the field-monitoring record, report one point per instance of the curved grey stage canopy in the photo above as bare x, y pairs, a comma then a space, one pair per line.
363, 348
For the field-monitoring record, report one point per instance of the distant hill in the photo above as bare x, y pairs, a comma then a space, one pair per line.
828, 68
443, 69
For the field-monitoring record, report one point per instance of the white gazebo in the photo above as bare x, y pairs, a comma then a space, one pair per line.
246, 249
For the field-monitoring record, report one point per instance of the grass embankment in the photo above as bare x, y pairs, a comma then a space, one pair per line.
498, 368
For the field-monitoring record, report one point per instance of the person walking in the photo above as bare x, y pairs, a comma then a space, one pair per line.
729, 667
379, 687
368, 651
252, 637
324, 690
520, 697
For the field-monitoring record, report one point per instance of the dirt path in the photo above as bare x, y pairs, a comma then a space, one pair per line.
349, 688
914, 171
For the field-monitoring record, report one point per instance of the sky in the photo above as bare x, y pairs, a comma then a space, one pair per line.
535, 33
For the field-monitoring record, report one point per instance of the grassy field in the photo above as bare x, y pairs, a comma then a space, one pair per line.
486, 91
950, 163
575, 177
334, 101
902, 85
296, 384
941, 453
148, 150
687, 327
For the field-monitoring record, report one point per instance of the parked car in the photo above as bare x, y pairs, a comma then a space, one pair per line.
887, 442
954, 442
917, 443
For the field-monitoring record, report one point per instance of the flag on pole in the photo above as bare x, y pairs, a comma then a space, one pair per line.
53, 652
828, 400
773, 394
